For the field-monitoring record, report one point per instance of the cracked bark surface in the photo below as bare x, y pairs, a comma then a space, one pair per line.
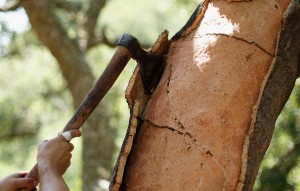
211, 118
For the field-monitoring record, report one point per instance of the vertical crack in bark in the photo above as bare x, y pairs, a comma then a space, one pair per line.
169, 79
178, 122
246, 41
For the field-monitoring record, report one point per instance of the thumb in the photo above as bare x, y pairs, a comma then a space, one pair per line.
69, 135
75, 133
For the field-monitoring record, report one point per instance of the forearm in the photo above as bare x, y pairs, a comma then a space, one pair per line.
53, 159
49, 181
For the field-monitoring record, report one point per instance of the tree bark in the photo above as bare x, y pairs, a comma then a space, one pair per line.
98, 135
209, 123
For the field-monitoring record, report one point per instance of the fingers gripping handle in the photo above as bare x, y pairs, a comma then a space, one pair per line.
95, 95
34, 173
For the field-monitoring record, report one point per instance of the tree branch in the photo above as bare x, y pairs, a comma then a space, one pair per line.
92, 12
100, 38
10, 136
67, 5
11, 6
70, 57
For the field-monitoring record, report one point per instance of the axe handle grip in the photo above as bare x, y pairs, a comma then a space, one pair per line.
95, 95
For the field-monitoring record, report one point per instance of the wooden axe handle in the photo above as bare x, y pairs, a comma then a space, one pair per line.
95, 95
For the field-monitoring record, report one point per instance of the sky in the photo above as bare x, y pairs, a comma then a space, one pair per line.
15, 20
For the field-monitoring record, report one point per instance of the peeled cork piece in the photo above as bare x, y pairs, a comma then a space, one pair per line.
211, 118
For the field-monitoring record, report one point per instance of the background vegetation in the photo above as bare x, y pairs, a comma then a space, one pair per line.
35, 102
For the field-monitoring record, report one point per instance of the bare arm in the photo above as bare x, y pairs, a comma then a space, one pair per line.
51, 181
53, 160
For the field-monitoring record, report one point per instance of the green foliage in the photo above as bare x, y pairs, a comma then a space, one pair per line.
144, 19
18, 132
190, 6
280, 169
5, 36
34, 100
12, 44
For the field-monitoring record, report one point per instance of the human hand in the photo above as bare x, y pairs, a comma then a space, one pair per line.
54, 155
16, 182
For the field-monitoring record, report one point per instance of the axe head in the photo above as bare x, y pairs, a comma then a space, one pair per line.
151, 65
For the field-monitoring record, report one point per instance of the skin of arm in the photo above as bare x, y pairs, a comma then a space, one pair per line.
53, 159
17, 181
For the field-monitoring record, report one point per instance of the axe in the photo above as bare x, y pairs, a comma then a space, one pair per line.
151, 66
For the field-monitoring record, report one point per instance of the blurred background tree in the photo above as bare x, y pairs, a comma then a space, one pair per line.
49, 66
